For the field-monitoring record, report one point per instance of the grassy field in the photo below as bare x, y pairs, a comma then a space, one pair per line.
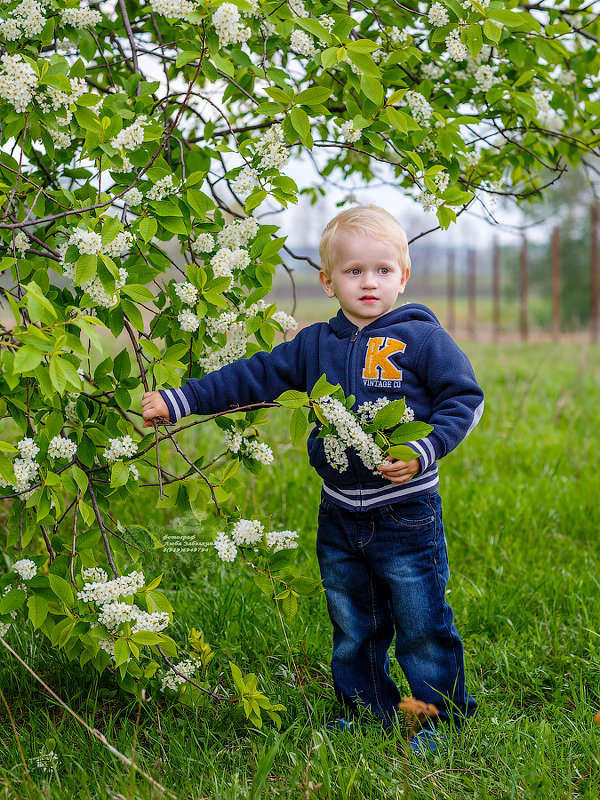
522, 516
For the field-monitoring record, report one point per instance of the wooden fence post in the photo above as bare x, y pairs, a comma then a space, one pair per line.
524, 290
496, 290
556, 288
472, 292
594, 302
451, 290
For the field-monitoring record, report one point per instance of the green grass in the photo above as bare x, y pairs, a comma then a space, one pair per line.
522, 519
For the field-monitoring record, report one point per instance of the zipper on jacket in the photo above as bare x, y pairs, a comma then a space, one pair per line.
353, 339
350, 375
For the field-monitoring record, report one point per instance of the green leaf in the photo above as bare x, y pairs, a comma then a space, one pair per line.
314, 27
301, 122
36, 292
262, 580
402, 452
410, 432
119, 474
38, 610
122, 652
12, 600
289, 605
146, 638
292, 399
62, 589
322, 388
81, 479
389, 415
148, 227
372, 88
254, 200
492, 31
26, 359
298, 425
185, 57
138, 292
313, 96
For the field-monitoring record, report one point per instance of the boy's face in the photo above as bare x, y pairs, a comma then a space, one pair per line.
366, 277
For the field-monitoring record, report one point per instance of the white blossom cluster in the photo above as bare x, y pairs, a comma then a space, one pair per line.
226, 20
82, 17
282, 540
349, 132
133, 197
120, 448
237, 233
161, 189
4, 628
28, 448
366, 411
335, 452
248, 533
21, 243
94, 575
298, 8
103, 591
430, 201
438, 15
567, 77
420, 107
174, 9
60, 139
226, 260
432, 70
542, 98
302, 43
187, 293
398, 36
221, 324
25, 569
113, 615
131, 137
287, 322
59, 99
18, 81
251, 447
232, 351
441, 180
485, 77
46, 761
245, 182
60, 447
90, 242
327, 22
469, 5
226, 549
188, 321
27, 19
272, 149
455, 48
172, 681
350, 432
120, 245
25, 468
203, 243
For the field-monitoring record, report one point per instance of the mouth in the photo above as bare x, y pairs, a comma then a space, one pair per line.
368, 298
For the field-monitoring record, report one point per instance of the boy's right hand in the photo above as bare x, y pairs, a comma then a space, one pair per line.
154, 407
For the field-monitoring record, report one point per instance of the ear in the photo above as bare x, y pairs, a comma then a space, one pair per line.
326, 284
404, 280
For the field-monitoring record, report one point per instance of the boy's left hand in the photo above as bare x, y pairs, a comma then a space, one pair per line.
399, 471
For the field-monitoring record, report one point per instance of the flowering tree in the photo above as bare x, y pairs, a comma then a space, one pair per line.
129, 127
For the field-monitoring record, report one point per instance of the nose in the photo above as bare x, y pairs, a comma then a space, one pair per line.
369, 279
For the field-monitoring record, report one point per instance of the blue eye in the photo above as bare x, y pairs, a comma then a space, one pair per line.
355, 271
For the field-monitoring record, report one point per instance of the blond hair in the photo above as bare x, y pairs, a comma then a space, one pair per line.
370, 220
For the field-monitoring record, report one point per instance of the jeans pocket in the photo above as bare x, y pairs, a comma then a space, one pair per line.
324, 508
416, 514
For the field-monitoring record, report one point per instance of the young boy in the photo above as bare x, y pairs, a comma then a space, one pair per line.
380, 541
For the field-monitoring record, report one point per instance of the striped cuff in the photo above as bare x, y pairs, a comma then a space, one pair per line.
424, 450
180, 402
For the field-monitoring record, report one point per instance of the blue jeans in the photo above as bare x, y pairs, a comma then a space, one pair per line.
385, 570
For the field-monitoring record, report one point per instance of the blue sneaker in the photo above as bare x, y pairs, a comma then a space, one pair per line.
426, 741
341, 724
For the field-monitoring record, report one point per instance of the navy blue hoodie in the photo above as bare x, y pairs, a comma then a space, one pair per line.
404, 353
